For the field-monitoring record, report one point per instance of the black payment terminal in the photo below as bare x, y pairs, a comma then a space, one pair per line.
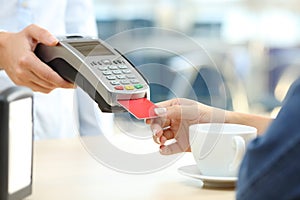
96, 67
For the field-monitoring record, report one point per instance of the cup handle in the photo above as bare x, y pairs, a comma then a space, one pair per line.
238, 144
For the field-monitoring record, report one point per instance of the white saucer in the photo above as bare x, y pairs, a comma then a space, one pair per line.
209, 181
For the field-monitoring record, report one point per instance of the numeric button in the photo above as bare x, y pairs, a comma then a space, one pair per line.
106, 73
115, 82
113, 67
134, 81
124, 82
116, 72
121, 77
123, 67
131, 76
126, 71
111, 77
103, 68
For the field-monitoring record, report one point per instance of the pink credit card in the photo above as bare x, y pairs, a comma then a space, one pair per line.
140, 108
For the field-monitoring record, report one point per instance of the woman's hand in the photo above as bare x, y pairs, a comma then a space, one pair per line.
17, 58
175, 117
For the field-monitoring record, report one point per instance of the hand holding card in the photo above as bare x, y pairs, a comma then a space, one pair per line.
140, 108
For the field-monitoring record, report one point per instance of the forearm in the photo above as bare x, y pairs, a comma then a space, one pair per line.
3, 39
257, 121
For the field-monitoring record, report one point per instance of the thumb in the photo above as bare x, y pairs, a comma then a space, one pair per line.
178, 112
41, 35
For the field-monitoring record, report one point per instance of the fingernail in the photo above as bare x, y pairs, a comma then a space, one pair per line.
163, 139
163, 149
52, 39
160, 111
154, 131
157, 140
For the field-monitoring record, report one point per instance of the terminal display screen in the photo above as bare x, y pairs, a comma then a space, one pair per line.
91, 48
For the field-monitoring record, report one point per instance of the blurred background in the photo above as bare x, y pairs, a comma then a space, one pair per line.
250, 48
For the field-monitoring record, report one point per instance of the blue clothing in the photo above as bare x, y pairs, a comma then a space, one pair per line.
271, 166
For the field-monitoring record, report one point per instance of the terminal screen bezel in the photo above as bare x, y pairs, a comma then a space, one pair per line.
91, 48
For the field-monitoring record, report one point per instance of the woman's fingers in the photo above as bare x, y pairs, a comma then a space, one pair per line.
174, 148
163, 135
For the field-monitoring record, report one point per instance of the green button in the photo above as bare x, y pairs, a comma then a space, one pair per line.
138, 86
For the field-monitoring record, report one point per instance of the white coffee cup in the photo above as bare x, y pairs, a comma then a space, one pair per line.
218, 148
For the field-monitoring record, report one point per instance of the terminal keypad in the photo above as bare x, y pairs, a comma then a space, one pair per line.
118, 74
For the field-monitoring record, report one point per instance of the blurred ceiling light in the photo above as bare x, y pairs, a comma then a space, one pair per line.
239, 26
279, 27
218, 1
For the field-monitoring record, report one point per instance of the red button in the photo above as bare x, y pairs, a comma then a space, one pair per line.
119, 87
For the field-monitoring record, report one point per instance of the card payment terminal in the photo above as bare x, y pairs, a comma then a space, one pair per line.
100, 70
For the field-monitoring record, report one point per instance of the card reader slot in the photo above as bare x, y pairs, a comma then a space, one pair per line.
65, 70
